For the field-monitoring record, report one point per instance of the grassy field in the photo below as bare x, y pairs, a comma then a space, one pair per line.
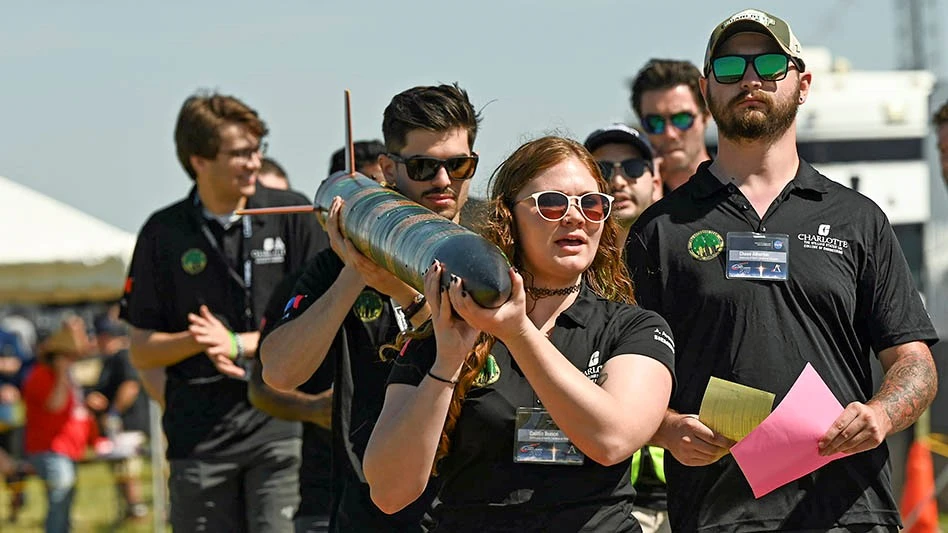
95, 509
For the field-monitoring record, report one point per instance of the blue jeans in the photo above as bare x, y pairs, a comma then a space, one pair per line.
59, 474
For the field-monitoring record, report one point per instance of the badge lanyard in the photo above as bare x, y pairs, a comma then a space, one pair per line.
246, 282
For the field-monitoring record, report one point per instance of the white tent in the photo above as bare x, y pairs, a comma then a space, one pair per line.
53, 253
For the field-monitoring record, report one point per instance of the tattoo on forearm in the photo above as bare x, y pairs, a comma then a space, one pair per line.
908, 388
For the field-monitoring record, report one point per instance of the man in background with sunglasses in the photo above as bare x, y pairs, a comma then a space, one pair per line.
669, 104
762, 266
627, 162
346, 307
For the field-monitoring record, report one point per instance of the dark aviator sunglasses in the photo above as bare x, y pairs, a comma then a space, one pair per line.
632, 168
424, 168
655, 124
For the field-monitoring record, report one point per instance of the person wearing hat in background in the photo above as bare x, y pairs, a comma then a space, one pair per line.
121, 407
849, 292
58, 425
628, 163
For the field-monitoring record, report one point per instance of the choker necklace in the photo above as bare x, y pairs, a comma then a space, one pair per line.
543, 292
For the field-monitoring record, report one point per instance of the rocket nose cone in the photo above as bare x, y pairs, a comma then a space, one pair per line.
482, 267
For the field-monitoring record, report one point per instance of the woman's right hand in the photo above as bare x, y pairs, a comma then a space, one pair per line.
454, 336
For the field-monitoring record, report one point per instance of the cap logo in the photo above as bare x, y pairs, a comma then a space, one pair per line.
751, 14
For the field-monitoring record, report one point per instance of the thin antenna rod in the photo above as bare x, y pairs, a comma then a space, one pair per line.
350, 149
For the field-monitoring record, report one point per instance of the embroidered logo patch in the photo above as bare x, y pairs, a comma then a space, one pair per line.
193, 261
489, 374
368, 306
705, 245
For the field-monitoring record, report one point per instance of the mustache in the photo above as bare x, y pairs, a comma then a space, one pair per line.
442, 190
756, 95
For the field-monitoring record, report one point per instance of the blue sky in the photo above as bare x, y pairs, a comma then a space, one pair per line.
91, 90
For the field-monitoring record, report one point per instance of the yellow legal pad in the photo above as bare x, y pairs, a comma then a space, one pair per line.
732, 409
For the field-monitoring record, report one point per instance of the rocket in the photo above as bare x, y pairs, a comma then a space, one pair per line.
406, 238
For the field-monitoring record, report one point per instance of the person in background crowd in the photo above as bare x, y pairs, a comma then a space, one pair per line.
672, 111
200, 278
628, 163
58, 426
366, 159
272, 175
121, 406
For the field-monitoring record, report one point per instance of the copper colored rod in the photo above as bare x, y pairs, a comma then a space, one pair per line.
277, 210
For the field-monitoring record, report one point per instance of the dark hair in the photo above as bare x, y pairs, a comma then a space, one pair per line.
662, 74
941, 116
432, 108
366, 153
203, 114
269, 165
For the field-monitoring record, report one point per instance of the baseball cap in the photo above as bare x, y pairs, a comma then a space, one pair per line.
622, 134
757, 21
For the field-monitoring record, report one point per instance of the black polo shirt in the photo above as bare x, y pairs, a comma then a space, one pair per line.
316, 457
358, 394
484, 489
849, 291
183, 260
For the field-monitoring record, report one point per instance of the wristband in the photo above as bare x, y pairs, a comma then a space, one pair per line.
236, 346
416, 304
441, 379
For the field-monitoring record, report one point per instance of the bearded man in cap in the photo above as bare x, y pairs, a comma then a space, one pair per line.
830, 288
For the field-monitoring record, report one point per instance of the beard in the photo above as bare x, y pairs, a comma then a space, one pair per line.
753, 124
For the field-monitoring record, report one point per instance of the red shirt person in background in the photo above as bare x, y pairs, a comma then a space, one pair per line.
58, 426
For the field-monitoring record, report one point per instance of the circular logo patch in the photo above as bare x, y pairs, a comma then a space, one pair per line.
193, 261
489, 374
368, 306
705, 245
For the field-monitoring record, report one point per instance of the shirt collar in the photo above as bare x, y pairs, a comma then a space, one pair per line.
583, 307
707, 184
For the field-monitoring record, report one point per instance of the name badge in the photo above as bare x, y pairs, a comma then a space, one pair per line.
762, 256
539, 440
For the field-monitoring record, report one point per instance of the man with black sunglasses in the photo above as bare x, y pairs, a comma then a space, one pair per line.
666, 98
763, 267
429, 135
627, 162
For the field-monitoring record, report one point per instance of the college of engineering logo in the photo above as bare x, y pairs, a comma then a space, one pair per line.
705, 245
823, 241
193, 261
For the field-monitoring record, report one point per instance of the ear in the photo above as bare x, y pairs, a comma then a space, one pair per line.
703, 85
805, 79
198, 163
388, 168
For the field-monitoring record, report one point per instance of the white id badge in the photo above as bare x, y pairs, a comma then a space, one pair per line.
761, 256
537, 439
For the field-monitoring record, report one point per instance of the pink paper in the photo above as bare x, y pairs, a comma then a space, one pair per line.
784, 446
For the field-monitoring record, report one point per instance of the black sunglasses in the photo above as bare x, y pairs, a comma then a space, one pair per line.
632, 168
424, 168
731, 68
656, 124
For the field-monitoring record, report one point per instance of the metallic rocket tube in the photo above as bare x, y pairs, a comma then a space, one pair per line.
405, 238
